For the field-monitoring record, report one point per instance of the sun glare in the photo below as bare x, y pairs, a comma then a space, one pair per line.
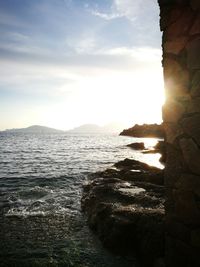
128, 97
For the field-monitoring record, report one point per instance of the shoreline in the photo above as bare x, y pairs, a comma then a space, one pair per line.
124, 206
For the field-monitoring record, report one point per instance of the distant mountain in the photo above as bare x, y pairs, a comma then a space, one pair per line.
86, 128
94, 128
34, 129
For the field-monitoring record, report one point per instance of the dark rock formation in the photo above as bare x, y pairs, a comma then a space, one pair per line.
180, 23
125, 207
137, 146
145, 130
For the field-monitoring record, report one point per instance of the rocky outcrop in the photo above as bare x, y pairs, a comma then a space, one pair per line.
125, 207
137, 146
145, 130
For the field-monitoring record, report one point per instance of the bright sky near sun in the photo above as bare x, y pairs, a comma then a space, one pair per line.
64, 63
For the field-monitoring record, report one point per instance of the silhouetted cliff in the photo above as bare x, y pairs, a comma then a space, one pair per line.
145, 130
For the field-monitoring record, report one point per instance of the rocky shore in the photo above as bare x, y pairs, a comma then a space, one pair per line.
125, 207
145, 130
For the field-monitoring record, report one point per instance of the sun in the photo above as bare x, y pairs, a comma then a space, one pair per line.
122, 96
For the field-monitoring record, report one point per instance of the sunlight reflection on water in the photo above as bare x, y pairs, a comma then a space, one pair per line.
150, 158
150, 142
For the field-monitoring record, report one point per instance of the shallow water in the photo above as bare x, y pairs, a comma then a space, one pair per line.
41, 177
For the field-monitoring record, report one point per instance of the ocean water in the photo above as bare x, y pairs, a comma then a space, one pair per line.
41, 178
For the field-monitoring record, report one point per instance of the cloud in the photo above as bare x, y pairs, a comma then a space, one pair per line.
128, 9
120, 8
17, 36
84, 45
23, 49
106, 16
141, 54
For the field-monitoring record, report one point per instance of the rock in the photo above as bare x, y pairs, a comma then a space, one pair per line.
145, 130
186, 208
175, 46
176, 78
164, 18
173, 131
126, 211
133, 170
173, 167
137, 146
189, 181
193, 59
194, 106
191, 127
195, 89
196, 26
191, 154
195, 238
173, 110
161, 147
132, 164
195, 4
181, 26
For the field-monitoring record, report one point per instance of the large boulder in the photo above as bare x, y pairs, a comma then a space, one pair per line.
126, 209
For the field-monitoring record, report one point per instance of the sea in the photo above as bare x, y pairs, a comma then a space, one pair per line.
41, 181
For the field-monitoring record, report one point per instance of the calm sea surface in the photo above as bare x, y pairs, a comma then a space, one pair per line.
41, 177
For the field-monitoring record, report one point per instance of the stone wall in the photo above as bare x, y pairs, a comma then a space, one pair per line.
180, 23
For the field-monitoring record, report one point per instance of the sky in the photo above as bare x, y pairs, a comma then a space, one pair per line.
64, 63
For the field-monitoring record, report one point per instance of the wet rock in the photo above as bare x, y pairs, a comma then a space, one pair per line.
126, 209
132, 164
137, 146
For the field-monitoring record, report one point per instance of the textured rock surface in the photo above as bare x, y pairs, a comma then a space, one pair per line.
125, 207
180, 23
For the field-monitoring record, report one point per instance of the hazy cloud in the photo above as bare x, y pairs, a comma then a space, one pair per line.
106, 16
121, 8
128, 8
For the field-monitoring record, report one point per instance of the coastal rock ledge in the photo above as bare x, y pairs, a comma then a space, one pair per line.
125, 207
145, 130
